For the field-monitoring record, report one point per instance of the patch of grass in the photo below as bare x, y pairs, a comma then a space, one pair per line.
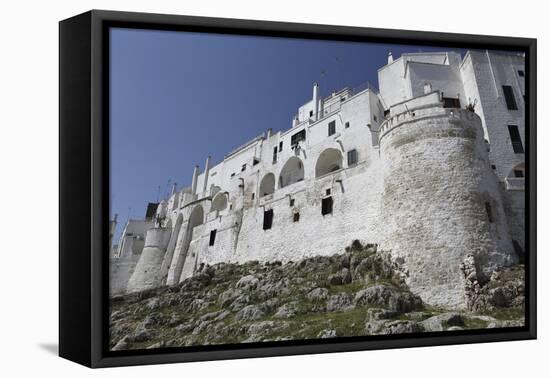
474, 323
509, 313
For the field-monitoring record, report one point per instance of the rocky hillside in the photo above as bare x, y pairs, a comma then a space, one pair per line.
357, 293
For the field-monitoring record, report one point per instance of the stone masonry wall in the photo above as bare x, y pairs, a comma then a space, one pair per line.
434, 166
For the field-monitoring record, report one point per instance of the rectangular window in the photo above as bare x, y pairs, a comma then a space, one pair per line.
274, 155
268, 219
352, 157
327, 192
280, 146
347, 125
509, 97
212, 238
255, 161
296, 217
519, 173
449, 102
331, 128
489, 211
521, 73
243, 168
516, 139
299, 136
326, 206
292, 202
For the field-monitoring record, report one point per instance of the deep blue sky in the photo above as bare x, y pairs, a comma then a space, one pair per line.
177, 97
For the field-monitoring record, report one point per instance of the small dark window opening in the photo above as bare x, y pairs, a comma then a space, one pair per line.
243, 168
347, 125
493, 166
386, 113
233, 174
274, 155
489, 211
375, 119
515, 139
212, 238
311, 113
292, 202
331, 128
255, 161
449, 102
296, 217
519, 173
280, 146
253, 195
326, 206
509, 97
268, 219
352, 157
327, 192
521, 73
299, 136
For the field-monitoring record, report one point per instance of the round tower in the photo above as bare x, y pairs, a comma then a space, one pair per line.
146, 273
441, 200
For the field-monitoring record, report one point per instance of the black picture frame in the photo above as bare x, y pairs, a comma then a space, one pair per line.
84, 187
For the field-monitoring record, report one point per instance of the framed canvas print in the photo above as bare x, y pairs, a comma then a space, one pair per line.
233, 188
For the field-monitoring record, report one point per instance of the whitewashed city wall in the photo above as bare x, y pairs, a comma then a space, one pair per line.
420, 187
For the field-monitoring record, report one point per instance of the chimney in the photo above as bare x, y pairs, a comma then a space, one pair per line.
315, 101
390, 58
295, 121
206, 173
174, 187
194, 181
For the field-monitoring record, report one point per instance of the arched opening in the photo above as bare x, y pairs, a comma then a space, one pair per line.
219, 202
267, 186
292, 172
195, 218
329, 160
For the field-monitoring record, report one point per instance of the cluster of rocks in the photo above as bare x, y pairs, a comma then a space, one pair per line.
360, 292
503, 289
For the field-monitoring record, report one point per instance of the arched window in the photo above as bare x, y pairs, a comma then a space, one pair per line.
267, 185
292, 172
329, 160
219, 202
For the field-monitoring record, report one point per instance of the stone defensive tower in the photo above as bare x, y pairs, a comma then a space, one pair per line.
441, 200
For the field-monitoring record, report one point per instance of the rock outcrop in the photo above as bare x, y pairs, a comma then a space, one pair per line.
255, 302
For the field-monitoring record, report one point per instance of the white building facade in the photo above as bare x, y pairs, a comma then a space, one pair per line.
411, 168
